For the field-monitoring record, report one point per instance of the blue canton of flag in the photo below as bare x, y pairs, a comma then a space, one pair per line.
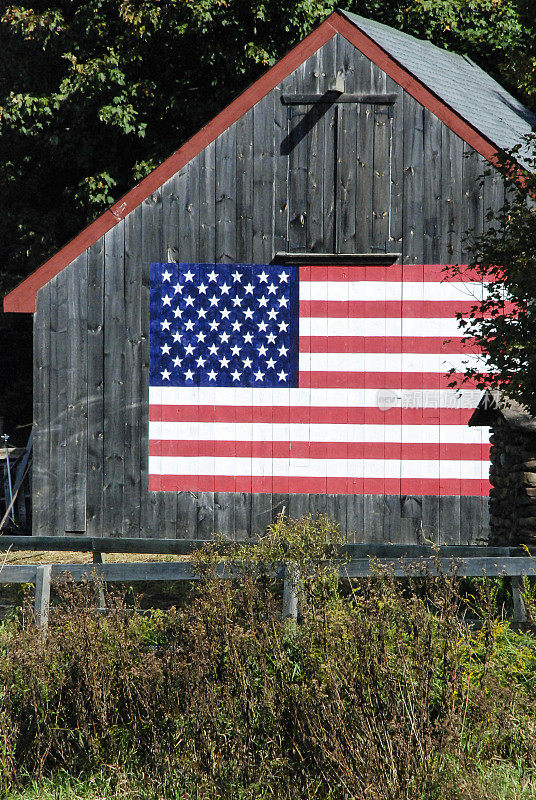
223, 325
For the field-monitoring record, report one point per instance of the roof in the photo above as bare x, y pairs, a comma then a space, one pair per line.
390, 50
458, 81
495, 407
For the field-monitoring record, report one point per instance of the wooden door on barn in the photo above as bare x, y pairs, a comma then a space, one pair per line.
339, 160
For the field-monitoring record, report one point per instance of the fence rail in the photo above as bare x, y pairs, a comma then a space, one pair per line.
362, 561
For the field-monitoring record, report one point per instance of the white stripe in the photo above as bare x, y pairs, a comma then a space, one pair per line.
444, 327
296, 467
343, 398
278, 432
391, 290
388, 362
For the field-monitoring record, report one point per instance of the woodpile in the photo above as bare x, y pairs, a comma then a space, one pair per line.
512, 470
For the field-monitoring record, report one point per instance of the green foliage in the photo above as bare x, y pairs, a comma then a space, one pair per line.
503, 325
380, 691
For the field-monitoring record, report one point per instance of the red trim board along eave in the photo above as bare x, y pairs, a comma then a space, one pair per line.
22, 299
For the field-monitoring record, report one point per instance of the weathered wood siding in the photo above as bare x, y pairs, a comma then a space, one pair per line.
343, 178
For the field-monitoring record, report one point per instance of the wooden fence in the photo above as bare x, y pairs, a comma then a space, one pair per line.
360, 561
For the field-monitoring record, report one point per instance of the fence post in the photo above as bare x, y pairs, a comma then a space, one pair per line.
99, 558
290, 593
43, 575
520, 609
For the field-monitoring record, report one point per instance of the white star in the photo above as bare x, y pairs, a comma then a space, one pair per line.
249, 288
225, 288
165, 349
236, 276
247, 362
189, 324
214, 325
189, 349
165, 375
283, 277
202, 289
177, 336
214, 300
201, 312
259, 375
283, 301
178, 288
236, 375
282, 375
272, 289
212, 276
201, 337
237, 325
224, 362
177, 313
200, 361
237, 301
189, 300
188, 276
212, 375
225, 313
282, 350
263, 302
262, 350
262, 326
166, 276
189, 375
166, 324
283, 326
270, 363
177, 361
166, 300
248, 338
224, 337
263, 277
272, 314
213, 349
235, 350
270, 338
248, 313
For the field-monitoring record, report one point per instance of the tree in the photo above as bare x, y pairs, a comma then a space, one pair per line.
503, 324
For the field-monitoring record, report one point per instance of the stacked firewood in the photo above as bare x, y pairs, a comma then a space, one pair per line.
513, 478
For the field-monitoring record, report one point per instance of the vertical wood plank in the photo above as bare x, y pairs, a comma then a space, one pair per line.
451, 196
397, 168
412, 225
76, 421
135, 404
41, 413
347, 164
95, 388
159, 512
432, 233
114, 380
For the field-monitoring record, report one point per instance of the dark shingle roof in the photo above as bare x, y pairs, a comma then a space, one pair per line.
457, 81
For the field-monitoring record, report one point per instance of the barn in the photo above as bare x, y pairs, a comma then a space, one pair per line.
262, 323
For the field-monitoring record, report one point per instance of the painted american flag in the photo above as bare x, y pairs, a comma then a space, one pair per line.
311, 379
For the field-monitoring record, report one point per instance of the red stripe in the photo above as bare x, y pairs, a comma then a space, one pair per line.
400, 273
330, 450
359, 415
409, 309
385, 344
311, 485
380, 380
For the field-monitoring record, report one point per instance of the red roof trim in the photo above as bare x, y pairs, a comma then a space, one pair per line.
22, 298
